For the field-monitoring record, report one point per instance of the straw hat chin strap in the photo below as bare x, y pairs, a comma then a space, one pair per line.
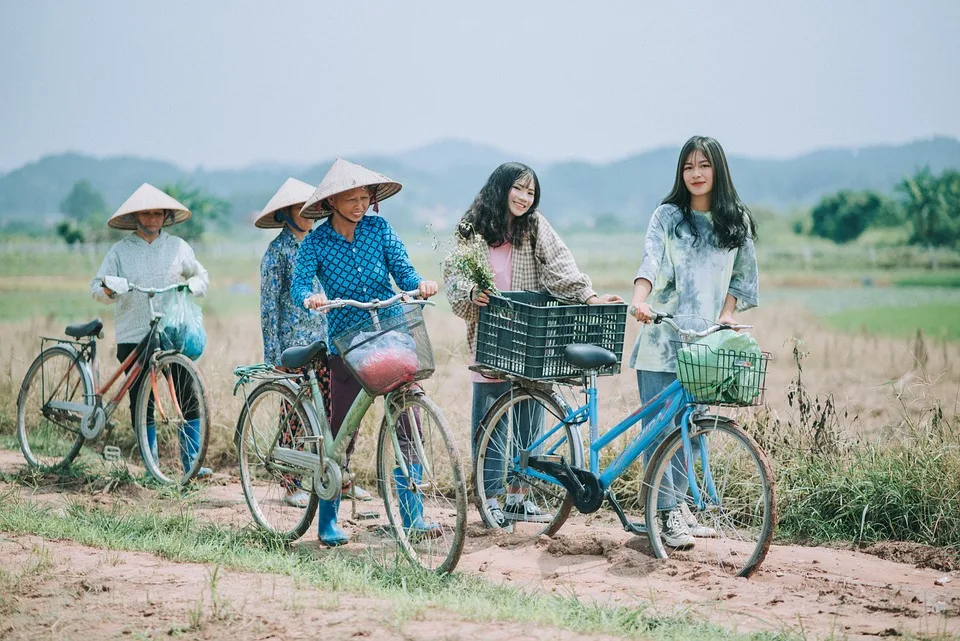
284, 216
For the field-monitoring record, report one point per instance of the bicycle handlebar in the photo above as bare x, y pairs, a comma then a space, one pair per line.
660, 317
374, 304
158, 290
121, 286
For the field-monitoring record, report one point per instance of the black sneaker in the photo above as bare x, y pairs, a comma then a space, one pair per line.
526, 511
496, 515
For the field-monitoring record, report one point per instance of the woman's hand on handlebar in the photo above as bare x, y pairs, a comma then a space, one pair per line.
315, 300
428, 288
642, 311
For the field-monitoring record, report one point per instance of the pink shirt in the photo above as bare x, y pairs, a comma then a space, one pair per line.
501, 258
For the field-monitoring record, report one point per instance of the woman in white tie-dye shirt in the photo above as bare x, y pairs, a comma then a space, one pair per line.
699, 264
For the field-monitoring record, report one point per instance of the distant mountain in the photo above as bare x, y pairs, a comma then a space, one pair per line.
440, 180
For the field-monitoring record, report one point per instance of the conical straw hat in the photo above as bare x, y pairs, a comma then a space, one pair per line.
146, 198
292, 192
344, 176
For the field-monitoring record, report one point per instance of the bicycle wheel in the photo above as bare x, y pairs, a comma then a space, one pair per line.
272, 416
426, 503
172, 421
50, 436
733, 477
532, 505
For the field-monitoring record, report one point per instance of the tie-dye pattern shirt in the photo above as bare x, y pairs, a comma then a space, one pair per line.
283, 323
690, 280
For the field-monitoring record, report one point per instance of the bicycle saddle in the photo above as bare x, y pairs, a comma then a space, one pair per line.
300, 356
589, 356
81, 330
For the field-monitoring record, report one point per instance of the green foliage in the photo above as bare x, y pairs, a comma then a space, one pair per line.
845, 215
932, 206
83, 202
70, 232
86, 212
206, 209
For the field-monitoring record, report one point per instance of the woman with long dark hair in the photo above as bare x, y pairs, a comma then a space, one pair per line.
699, 264
524, 253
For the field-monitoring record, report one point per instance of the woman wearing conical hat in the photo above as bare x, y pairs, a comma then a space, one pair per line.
354, 255
150, 257
284, 324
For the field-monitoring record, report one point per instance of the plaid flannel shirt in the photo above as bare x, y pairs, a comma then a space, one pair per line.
551, 268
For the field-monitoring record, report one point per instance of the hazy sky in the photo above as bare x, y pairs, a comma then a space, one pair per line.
230, 83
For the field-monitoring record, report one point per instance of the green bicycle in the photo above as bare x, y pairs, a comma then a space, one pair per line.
284, 438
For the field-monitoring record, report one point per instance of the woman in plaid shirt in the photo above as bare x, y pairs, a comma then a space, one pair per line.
524, 253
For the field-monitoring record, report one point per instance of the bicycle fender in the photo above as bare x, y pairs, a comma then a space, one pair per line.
84, 366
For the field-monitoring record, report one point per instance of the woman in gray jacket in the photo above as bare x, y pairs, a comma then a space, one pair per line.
150, 257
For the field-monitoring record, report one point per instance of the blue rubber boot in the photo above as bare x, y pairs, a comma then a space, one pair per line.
328, 531
190, 447
152, 440
411, 503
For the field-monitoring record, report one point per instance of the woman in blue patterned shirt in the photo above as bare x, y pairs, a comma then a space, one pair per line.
354, 256
284, 324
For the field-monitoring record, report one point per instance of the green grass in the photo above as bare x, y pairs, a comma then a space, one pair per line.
936, 321
929, 279
181, 538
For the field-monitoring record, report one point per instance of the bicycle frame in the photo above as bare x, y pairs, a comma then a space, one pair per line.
335, 448
136, 361
663, 408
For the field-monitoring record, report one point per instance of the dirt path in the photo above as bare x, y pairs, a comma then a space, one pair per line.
821, 590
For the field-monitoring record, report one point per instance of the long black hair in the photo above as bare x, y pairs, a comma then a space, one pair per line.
489, 214
732, 221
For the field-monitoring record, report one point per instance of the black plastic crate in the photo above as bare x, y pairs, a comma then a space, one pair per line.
525, 333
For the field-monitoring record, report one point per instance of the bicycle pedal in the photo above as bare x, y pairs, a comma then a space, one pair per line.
367, 515
112, 453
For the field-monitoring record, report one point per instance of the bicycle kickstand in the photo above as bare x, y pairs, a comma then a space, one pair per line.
629, 526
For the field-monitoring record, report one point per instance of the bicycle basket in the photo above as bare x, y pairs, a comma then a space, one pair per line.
525, 333
722, 376
389, 352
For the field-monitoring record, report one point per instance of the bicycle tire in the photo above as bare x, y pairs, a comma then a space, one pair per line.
742, 511
270, 409
440, 496
181, 443
51, 439
540, 408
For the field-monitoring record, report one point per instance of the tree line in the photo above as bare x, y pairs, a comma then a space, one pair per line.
927, 204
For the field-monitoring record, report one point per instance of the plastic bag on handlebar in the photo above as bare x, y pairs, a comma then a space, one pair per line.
182, 325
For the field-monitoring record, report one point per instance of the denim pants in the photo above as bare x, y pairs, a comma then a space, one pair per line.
674, 486
527, 421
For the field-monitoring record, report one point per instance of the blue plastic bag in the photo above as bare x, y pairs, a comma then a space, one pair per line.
182, 326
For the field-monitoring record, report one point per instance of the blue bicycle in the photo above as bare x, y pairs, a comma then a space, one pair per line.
709, 472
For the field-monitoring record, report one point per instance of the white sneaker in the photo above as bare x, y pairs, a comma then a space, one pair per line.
696, 530
526, 511
299, 499
497, 515
674, 531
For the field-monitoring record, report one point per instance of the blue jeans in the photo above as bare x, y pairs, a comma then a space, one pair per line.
675, 484
527, 424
